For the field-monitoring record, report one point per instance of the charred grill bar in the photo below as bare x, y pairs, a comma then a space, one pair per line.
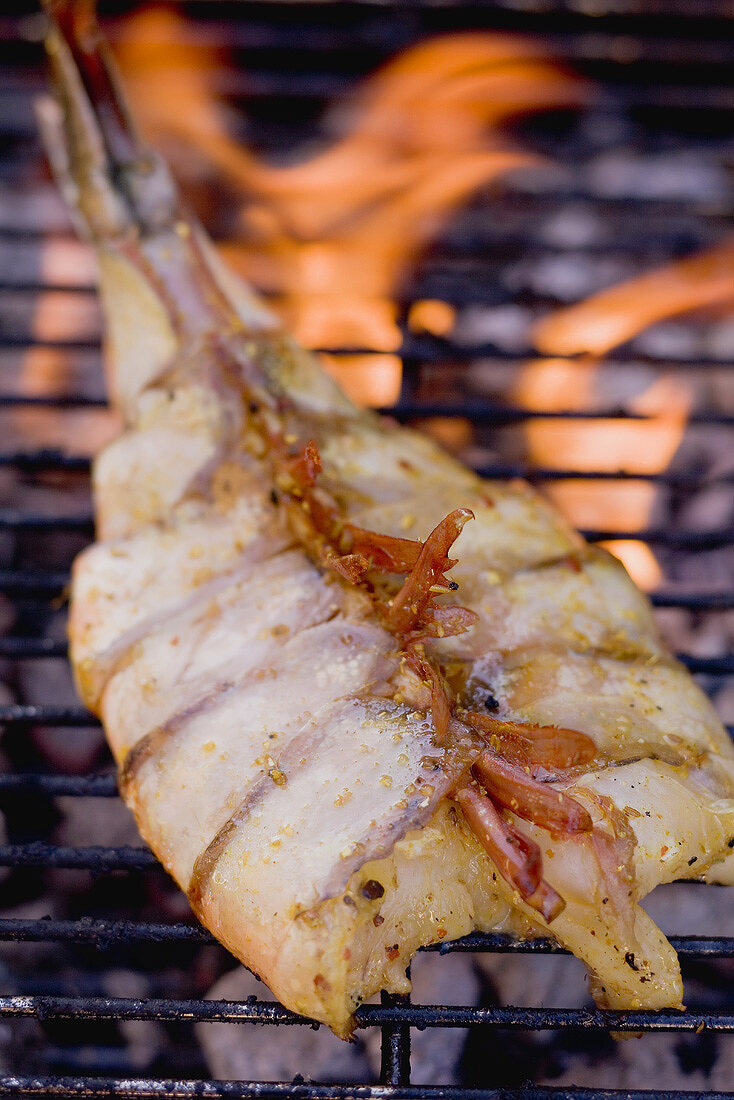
665, 74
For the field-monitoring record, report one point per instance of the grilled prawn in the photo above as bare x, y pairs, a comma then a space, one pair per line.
360, 699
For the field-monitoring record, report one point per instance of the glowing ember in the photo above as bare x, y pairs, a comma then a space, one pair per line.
333, 237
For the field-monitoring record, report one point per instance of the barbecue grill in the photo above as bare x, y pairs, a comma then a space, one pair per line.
646, 173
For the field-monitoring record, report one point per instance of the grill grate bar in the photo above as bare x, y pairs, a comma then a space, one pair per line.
395, 1045
394, 1014
45, 459
534, 196
44, 584
485, 412
141, 1088
101, 932
34, 582
79, 786
29, 714
687, 482
19, 521
265, 83
23, 648
19, 222
33, 461
459, 247
95, 858
108, 932
704, 9
429, 350
708, 666
415, 353
481, 412
257, 33
694, 601
499, 943
40, 648
680, 539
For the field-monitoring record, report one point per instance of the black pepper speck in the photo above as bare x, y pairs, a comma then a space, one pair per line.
372, 889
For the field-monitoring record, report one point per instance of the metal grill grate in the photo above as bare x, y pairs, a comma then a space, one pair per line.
649, 59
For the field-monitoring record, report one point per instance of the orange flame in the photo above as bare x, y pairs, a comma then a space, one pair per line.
333, 236
634, 446
616, 315
591, 329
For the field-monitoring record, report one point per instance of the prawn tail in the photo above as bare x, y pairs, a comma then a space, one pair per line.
157, 264
110, 177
